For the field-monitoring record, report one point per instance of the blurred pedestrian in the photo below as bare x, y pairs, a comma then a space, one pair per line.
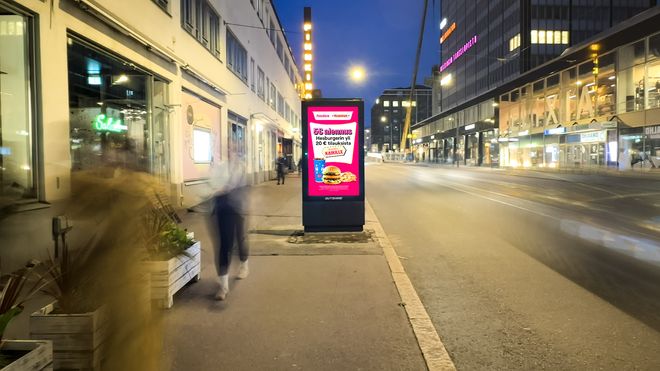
281, 167
226, 220
300, 162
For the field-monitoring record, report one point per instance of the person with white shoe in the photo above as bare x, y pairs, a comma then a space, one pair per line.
226, 221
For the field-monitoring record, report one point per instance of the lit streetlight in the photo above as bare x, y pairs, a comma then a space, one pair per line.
357, 74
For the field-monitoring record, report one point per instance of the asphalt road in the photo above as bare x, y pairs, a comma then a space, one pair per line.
529, 271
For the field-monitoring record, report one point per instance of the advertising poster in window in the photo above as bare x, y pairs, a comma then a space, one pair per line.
200, 135
333, 152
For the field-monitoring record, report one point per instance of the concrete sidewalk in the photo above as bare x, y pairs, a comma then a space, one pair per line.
310, 303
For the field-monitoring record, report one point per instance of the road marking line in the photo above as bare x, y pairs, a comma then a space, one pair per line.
433, 350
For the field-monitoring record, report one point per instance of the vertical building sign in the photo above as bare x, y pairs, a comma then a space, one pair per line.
333, 175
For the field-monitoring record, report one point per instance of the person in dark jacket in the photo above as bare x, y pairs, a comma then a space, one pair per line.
281, 168
227, 224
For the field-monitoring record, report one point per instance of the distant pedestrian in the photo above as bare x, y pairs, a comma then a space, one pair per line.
300, 162
281, 164
226, 221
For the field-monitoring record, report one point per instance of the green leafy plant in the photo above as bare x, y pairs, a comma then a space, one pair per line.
70, 279
12, 295
163, 238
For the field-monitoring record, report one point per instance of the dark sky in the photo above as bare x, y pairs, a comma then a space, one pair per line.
380, 35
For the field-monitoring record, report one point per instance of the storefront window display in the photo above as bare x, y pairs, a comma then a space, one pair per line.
117, 111
568, 99
639, 148
514, 157
552, 100
472, 149
653, 84
631, 148
490, 148
585, 149
605, 86
536, 149
526, 108
449, 150
653, 73
630, 85
460, 149
586, 90
538, 110
17, 134
652, 146
552, 151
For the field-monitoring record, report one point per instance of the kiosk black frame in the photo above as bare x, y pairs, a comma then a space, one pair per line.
333, 214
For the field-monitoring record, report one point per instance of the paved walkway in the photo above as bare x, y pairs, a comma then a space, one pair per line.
310, 303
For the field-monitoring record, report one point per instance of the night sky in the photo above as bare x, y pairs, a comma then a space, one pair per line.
380, 35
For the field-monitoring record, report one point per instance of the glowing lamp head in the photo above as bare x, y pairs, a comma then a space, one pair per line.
357, 74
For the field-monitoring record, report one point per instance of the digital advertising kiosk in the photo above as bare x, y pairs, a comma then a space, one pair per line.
333, 165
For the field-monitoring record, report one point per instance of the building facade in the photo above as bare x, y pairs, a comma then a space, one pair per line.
166, 87
595, 106
488, 42
388, 115
169, 87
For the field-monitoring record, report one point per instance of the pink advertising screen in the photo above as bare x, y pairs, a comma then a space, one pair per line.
333, 152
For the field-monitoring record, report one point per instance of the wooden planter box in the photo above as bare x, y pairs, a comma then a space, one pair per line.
169, 276
39, 356
77, 338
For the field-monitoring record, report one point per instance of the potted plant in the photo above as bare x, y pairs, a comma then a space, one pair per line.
76, 320
20, 354
175, 257
102, 309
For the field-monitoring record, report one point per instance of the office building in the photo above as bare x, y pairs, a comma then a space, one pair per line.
595, 106
488, 42
388, 115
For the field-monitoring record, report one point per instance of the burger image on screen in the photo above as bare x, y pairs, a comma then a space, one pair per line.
331, 175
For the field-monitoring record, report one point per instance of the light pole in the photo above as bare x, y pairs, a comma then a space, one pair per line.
456, 146
384, 120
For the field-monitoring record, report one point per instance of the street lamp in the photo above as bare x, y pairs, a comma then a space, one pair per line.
357, 74
383, 119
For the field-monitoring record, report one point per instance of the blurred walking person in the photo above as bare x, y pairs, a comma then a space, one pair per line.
226, 221
281, 168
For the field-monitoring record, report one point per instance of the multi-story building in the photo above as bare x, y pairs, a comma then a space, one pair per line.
388, 114
488, 44
169, 87
596, 105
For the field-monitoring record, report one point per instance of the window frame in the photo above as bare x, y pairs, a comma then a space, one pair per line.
164, 5
200, 19
260, 83
237, 60
37, 190
253, 76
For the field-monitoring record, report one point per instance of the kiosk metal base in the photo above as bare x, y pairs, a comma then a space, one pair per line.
345, 216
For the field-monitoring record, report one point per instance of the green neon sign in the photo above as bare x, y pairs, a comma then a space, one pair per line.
103, 123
